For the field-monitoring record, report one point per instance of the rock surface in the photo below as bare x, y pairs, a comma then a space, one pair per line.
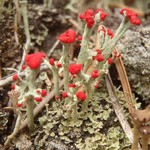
135, 48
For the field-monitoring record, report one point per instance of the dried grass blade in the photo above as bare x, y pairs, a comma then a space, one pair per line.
118, 108
124, 80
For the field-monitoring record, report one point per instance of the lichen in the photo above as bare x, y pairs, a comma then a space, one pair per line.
97, 131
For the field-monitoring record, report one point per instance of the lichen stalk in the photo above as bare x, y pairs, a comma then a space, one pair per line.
30, 116
17, 20
87, 64
27, 45
25, 18
56, 81
83, 55
55, 72
110, 44
121, 33
83, 77
86, 102
16, 2
30, 99
121, 26
48, 3
101, 38
66, 60
89, 93
74, 114
14, 99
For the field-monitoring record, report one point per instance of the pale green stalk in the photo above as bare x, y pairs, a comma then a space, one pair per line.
56, 81
89, 91
74, 114
30, 99
24, 11
109, 48
66, 60
27, 45
48, 3
30, 115
55, 76
83, 55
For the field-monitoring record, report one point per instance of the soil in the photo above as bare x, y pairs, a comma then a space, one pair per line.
47, 24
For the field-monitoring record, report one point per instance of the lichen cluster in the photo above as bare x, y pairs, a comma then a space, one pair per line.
80, 117
100, 128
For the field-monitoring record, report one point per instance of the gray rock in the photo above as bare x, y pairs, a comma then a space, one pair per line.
135, 48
